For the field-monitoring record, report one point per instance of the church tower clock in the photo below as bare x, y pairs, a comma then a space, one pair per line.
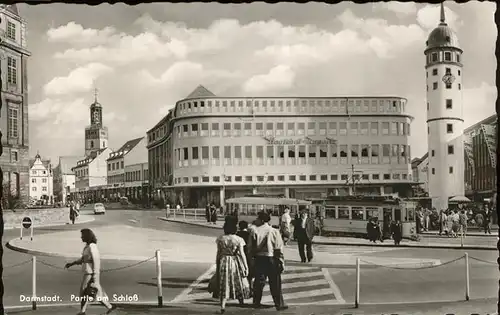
96, 135
444, 115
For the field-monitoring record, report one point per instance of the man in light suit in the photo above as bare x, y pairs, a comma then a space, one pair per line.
305, 234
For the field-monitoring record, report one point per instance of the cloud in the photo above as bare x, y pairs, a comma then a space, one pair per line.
428, 17
479, 103
400, 8
385, 40
128, 49
77, 81
111, 117
289, 44
73, 33
184, 74
57, 111
278, 78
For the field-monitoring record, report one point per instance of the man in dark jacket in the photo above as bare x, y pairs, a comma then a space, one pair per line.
305, 233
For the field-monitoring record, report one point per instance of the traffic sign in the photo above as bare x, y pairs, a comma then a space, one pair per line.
27, 222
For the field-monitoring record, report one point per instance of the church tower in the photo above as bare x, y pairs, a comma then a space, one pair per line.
96, 135
444, 115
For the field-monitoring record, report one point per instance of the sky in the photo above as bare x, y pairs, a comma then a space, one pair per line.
144, 58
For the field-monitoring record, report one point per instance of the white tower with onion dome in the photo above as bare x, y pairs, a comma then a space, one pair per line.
444, 114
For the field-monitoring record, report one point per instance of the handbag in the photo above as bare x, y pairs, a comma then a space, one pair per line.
90, 290
213, 285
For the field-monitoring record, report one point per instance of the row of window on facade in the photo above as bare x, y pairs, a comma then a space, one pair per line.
291, 178
44, 180
445, 56
447, 71
44, 188
136, 176
38, 172
354, 151
303, 106
449, 128
115, 179
112, 166
82, 172
313, 129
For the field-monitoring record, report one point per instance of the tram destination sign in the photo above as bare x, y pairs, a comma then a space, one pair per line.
295, 141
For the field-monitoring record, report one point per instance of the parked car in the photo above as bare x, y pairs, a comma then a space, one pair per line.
99, 208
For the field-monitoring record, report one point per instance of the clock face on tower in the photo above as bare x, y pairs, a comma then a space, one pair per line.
448, 78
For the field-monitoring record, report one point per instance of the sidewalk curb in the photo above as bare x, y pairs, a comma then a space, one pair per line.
190, 223
470, 247
90, 219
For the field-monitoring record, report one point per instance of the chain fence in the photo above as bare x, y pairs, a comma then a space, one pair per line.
34, 261
465, 257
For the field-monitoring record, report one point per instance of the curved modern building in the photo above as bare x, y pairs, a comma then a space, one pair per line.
211, 148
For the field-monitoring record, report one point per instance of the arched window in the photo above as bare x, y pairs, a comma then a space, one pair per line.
91, 144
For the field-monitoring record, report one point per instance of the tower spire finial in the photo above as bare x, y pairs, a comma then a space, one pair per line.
442, 13
95, 92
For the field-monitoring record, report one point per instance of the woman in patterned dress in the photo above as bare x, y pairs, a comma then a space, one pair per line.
232, 266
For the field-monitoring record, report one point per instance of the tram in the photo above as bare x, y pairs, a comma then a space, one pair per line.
349, 215
247, 207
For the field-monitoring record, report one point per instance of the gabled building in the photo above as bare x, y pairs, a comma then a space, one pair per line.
65, 178
419, 167
133, 152
41, 184
91, 174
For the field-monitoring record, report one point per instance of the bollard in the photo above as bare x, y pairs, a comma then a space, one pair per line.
356, 297
184, 213
33, 283
158, 278
467, 278
195, 214
175, 212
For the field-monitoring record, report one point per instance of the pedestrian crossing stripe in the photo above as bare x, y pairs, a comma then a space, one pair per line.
301, 285
354, 250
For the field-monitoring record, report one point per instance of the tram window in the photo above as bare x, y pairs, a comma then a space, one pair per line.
343, 213
410, 215
330, 212
357, 213
371, 213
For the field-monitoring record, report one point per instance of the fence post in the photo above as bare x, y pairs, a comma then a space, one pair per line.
467, 278
195, 214
184, 213
356, 297
33, 283
158, 278
175, 212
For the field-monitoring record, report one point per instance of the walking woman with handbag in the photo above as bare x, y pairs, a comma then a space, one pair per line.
232, 267
90, 289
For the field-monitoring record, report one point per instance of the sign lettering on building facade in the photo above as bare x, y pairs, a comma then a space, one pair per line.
291, 141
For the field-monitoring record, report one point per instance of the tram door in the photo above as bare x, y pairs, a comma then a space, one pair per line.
397, 214
387, 217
